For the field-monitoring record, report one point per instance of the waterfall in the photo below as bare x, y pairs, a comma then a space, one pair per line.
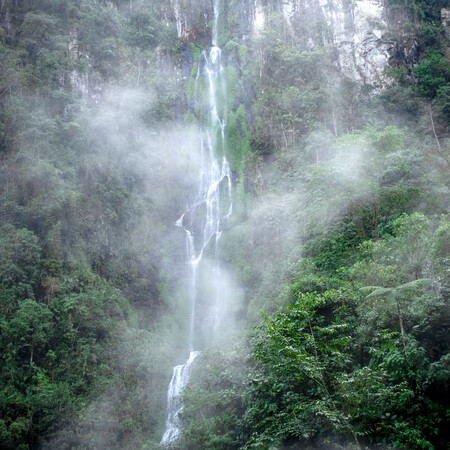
204, 220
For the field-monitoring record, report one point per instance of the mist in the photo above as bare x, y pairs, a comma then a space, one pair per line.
224, 224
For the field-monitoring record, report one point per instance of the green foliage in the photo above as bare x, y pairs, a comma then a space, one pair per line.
421, 9
214, 401
354, 366
402, 258
378, 178
240, 51
19, 260
237, 141
326, 221
341, 225
433, 74
300, 351
53, 354
147, 30
289, 79
78, 223
377, 395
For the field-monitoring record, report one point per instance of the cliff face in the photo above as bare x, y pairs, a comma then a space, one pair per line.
358, 33
355, 30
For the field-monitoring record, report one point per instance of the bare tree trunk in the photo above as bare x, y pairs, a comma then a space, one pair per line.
262, 64
375, 221
434, 129
335, 123
284, 136
402, 329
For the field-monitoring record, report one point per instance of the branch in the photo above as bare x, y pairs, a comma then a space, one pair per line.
434, 129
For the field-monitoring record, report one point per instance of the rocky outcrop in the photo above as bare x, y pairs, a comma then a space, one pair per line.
355, 29
192, 18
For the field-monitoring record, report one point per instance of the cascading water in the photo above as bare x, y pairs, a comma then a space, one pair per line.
204, 221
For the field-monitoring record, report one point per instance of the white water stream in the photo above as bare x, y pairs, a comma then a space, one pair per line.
204, 220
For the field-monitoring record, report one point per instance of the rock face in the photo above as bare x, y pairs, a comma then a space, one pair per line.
355, 29
192, 17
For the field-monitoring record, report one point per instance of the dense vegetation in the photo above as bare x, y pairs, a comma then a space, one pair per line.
357, 359
340, 236
83, 269
344, 251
